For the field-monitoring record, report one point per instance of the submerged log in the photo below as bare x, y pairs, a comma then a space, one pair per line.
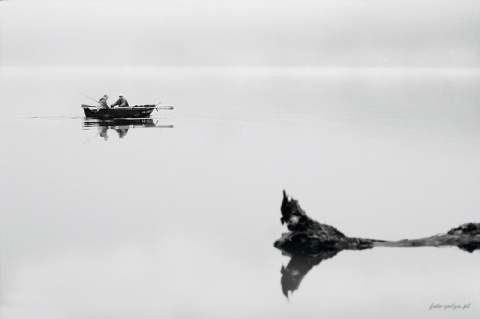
465, 237
307, 236
309, 242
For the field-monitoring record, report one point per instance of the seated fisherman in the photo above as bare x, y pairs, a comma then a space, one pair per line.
103, 102
121, 102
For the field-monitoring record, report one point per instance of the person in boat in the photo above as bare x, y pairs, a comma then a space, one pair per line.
103, 102
121, 102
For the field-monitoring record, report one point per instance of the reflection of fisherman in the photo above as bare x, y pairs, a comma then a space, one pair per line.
121, 102
102, 131
121, 130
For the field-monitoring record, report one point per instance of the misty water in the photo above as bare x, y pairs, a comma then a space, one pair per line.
175, 217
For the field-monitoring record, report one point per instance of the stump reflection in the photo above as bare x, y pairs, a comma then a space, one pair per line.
309, 242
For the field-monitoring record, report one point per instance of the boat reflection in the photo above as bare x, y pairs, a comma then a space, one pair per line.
121, 125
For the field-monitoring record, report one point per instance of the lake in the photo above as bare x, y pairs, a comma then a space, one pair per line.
176, 217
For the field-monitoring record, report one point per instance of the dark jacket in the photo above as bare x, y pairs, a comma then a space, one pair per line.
121, 102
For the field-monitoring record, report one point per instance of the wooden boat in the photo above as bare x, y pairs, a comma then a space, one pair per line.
122, 112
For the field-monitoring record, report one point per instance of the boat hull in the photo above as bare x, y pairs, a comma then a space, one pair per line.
120, 112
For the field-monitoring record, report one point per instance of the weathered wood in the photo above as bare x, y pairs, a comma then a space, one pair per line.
309, 242
465, 237
308, 236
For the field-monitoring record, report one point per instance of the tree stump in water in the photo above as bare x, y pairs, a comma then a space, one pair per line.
309, 236
309, 242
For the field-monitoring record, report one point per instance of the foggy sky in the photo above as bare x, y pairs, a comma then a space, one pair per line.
240, 33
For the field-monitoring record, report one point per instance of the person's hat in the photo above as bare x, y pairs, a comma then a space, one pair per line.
120, 95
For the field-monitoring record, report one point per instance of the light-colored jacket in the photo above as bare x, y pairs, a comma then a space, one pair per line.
121, 102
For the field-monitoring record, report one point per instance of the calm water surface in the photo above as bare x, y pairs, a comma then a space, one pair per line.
175, 217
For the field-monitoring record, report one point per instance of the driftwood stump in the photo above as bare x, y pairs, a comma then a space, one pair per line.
309, 242
309, 236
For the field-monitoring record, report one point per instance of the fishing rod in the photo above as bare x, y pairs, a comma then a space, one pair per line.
91, 98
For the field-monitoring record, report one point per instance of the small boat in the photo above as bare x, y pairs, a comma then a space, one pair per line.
122, 112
